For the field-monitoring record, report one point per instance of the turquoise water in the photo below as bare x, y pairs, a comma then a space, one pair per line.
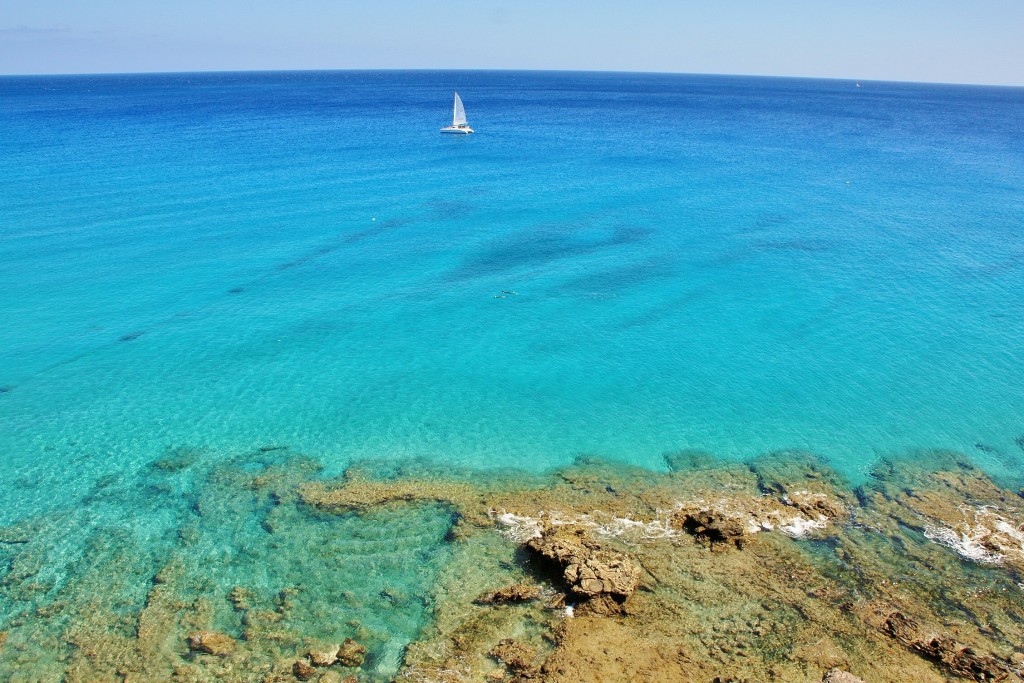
224, 262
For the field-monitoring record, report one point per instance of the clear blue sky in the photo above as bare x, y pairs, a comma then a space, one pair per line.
965, 41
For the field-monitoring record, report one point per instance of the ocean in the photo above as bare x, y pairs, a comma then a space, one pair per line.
219, 272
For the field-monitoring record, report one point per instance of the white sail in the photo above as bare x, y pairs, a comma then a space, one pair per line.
459, 115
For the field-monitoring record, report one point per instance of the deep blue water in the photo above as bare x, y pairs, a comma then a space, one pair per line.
739, 265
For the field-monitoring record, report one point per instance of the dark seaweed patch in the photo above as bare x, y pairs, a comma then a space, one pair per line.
6, 389
985, 448
236, 290
1020, 442
131, 336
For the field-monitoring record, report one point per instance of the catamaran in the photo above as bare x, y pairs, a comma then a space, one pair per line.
459, 124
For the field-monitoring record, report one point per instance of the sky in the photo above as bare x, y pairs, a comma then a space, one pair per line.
952, 41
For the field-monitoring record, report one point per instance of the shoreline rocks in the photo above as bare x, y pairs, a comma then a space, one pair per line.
603, 579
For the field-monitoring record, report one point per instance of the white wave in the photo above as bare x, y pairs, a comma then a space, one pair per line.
964, 543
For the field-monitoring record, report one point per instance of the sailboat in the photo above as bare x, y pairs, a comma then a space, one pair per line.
459, 124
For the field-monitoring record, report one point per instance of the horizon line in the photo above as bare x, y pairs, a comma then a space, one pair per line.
501, 69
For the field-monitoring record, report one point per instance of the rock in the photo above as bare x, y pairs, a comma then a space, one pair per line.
303, 670
840, 676
516, 593
956, 658
815, 505
514, 655
241, 598
602, 577
324, 656
212, 643
351, 653
3, 639
712, 525
335, 677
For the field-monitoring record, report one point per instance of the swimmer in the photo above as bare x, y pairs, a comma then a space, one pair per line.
505, 291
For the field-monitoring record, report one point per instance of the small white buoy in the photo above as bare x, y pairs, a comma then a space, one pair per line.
569, 611
374, 218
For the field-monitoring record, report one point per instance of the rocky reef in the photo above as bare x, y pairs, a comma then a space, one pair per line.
768, 570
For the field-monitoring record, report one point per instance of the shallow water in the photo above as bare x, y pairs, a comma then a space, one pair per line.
222, 262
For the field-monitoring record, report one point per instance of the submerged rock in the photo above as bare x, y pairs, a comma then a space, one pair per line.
602, 577
241, 598
212, 643
324, 656
516, 593
840, 676
516, 656
956, 658
351, 653
303, 670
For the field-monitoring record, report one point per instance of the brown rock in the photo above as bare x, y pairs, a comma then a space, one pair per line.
351, 653
815, 505
332, 677
212, 643
514, 655
712, 525
840, 676
324, 656
303, 670
956, 658
240, 598
519, 592
590, 570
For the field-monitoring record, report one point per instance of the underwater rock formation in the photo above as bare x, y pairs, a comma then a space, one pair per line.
840, 676
303, 670
516, 593
212, 643
323, 656
958, 659
517, 657
351, 653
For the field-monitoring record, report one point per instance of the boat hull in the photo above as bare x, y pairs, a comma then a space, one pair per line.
457, 130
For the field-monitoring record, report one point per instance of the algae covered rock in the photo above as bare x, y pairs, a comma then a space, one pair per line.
335, 677
241, 598
589, 570
324, 656
211, 643
351, 653
303, 670
956, 658
516, 593
516, 656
